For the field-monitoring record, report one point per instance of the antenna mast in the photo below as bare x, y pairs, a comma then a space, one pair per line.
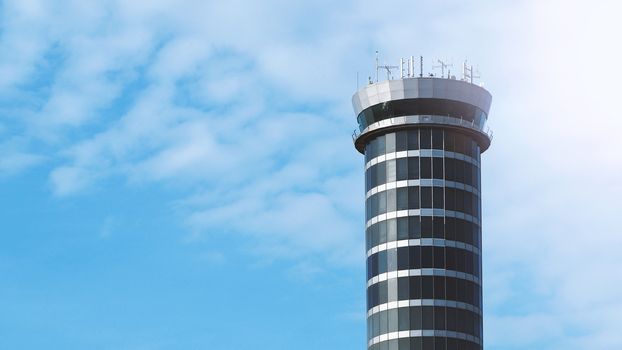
442, 66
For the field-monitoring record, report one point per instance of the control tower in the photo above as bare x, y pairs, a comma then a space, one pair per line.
422, 138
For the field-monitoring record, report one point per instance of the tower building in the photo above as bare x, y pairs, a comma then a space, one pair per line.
422, 138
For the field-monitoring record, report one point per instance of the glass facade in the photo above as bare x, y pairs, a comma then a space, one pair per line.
423, 238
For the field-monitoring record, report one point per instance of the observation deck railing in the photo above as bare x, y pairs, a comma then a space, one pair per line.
425, 119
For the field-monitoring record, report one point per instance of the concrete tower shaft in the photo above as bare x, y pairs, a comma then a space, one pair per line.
422, 139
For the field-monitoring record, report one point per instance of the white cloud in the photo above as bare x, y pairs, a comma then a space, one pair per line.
251, 122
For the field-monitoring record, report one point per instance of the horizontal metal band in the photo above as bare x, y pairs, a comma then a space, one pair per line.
422, 333
421, 212
434, 153
422, 242
419, 88
422, 272
421, 182
422, 302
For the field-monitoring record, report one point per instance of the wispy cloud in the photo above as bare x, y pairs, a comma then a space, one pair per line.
248, 123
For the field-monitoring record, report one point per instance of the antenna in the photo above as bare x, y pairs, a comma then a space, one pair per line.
442, 66
468, 74
377, 66
420, 66
385, 66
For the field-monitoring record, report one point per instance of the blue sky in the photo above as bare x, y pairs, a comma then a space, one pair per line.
164, 164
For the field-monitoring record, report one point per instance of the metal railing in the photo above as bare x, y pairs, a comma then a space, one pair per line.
425, 119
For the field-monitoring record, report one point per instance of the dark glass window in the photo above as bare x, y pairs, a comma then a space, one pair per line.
414, 227
450, 224
427, 317
404, 321
437, 165
381, 174
449, 141
438, 228
402, 258
415, 318
437, 138
401, 141
439, 257
415, 257
438, 198
402, 169
413, 197
426, 227
426, 197
402, 198
427, 343
403, 284
382, 261
415, 287
460, 144
450, 169
413, 168
402, 225
381, 146
426, 167
413, 139
439, 318
439, 287
427, 257
427, 287
425, 138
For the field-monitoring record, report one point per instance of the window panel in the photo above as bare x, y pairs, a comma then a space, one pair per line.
391, 170
382, 232
382, 203
402, 225
427, 287
389, 142
402, 198
401, 141
401, 170
437, 166
438, 227
391, 230
415, 318
391, 200
413, 139
413, 197
402, 259
426, 197
415, 287
381, 145
437, 138
413, 168
381, 175
438, 198
439, 318
425, 138
415, 257
427, 317
439, 257
439, 287
414, 227
427, 257
426, 227
403, 284
426, 167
